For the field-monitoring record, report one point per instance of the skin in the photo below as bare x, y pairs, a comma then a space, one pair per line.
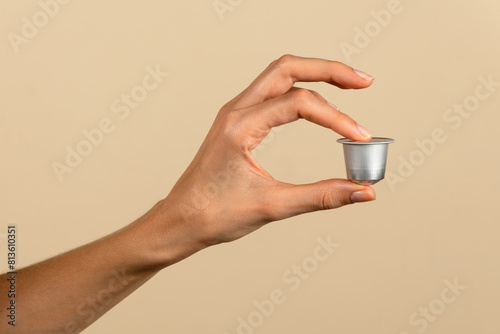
223, 195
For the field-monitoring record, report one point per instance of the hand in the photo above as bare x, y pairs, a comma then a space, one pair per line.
224, 194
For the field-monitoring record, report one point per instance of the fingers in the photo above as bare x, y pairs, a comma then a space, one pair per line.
283, 73
291, 200
299, 103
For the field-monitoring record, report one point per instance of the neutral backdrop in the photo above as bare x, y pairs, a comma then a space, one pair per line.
435, 220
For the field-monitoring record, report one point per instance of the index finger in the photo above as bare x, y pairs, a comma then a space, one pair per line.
284, 72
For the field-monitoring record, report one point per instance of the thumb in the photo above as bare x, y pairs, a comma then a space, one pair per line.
291, 200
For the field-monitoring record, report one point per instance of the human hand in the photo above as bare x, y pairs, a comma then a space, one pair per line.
224, 194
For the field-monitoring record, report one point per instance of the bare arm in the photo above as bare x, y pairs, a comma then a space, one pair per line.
223, 195
67, 293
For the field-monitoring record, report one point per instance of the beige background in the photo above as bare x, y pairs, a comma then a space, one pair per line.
395, 254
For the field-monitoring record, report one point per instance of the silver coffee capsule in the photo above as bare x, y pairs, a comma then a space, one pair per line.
365, 161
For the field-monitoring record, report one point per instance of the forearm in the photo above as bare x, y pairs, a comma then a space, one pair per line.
67, 293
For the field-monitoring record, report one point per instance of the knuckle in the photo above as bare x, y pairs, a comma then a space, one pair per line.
229, 125
281, 63
325, 199
284, 60
226, 107
281, 68
318, 96
301, 96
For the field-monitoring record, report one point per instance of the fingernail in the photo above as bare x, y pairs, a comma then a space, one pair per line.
363, 75
362, 196
362, 131
333, 105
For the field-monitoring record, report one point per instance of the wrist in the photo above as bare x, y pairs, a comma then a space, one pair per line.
166, 236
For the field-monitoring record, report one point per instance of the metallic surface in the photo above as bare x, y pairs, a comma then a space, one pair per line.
366, 161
